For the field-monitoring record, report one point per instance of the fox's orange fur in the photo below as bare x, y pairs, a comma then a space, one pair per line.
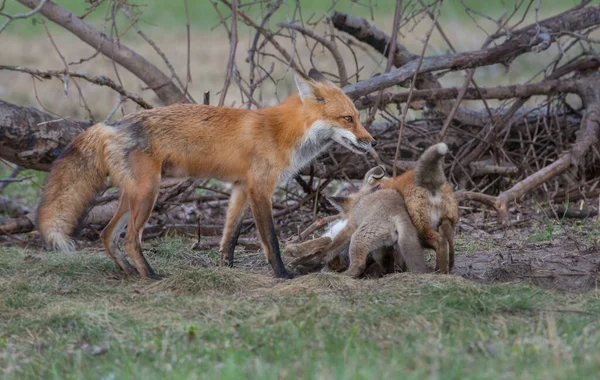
253, 149
431, 203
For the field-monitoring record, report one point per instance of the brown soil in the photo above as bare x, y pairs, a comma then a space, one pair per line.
568, 259
557, 257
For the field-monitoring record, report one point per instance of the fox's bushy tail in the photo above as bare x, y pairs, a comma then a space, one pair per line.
429, 171
76, 176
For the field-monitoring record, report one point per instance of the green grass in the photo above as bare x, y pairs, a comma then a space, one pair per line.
158, 13
26, 191
70, 315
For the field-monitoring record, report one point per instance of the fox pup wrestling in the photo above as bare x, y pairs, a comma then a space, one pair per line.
431, 203
252, 149
426, 198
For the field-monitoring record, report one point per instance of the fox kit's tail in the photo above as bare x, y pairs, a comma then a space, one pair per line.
76, 176
429, 171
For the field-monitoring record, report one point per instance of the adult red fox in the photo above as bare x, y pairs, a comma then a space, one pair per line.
252, 149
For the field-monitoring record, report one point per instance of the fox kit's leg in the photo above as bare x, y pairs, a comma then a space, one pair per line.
445, 257
307, 248
233, 224
260, 191
409, 247
111, 233
368, 237
384, 257
335, 258
142, 193
418, 209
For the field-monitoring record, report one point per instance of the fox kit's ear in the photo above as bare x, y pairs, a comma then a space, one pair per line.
306, 87
316, 75
374, 174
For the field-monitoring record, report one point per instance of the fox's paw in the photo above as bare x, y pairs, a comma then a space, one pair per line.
156, 276
327, 269
355, 271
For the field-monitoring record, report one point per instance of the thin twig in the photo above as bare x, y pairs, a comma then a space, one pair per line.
330, 45
20, 16
412, 86
100, 81
233, 40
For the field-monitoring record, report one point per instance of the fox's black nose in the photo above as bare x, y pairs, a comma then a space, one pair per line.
373, 143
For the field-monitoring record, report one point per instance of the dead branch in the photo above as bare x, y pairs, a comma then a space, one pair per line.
484, 168
100, 81
330, 45
162, 55
412, 87
11, 18
268, 36
518, 44
152, 76
233, 41
16, 226
548, 87
587, 136
34, 139
13, 176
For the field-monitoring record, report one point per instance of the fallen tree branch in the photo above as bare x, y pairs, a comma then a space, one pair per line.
550, 87
34, 139
519, 43
587, 136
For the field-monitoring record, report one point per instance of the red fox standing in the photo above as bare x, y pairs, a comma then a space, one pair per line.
253, 149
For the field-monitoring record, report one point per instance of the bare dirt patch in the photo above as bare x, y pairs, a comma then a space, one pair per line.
556, 256
567, 258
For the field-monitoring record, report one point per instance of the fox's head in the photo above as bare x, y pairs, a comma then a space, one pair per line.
332, 113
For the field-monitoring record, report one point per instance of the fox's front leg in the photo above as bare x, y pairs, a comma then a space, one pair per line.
260, 204
238, 202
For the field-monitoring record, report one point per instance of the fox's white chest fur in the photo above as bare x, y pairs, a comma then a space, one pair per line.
316, 140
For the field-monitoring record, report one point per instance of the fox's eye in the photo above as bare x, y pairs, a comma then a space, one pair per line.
349, 119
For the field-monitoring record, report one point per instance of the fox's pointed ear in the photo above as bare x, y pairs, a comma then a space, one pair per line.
337, 202
316, 75
306, 87
374, 174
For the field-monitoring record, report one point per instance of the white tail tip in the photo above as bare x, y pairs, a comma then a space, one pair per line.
60, 242
442, 149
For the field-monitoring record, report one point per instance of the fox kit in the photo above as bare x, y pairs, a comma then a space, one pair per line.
378, 219
431, 203
252, 149
372, 220
344, 205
